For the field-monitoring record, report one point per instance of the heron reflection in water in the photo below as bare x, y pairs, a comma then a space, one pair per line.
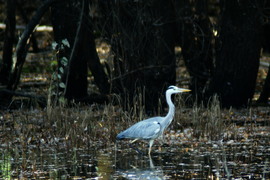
138, 172
152, 128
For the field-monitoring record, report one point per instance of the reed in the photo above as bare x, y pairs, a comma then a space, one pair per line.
207, 121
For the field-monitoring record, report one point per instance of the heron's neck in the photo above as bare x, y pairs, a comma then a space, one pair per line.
171, 107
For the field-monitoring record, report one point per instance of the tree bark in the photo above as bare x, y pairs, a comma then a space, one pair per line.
94, 65
22, 46
195, 38
67, 24
26, 20
142, 38
238, 53
6, 65
71, 21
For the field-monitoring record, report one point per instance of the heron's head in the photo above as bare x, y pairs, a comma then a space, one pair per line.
174, 90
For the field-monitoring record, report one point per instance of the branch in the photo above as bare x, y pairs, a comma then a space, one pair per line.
22, 46
41, 100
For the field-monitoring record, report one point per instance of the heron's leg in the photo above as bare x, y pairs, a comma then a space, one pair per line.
151, 142
151, 163
136, 149
133, 141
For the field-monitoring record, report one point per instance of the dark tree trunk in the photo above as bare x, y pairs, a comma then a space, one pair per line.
71, 21
6, 64
158, 54
26, 20
195, 37
23, 46
142, 37
67, 19
238, 53
94, 64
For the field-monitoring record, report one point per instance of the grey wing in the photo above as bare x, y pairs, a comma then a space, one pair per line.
147, 129
154, 119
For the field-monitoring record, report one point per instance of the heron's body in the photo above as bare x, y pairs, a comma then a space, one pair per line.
152, 128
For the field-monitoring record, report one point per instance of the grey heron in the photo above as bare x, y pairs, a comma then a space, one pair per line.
152, 128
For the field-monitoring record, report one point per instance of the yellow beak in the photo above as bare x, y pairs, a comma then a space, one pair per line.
184, 90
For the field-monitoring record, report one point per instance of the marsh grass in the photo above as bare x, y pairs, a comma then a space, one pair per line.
207, 122
68, 130
81, 125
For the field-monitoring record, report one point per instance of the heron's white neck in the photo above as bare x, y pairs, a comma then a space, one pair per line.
170, 114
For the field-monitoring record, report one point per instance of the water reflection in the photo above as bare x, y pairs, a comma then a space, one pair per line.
246, 159
193, 160
139, 171
104, 166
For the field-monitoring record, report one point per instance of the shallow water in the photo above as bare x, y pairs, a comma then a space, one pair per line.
246, 158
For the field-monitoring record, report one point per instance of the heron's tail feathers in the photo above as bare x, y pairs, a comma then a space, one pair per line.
120, 136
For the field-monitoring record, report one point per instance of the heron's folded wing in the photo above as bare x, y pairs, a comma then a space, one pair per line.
142, 130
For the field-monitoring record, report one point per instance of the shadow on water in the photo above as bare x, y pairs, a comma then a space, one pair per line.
245, 159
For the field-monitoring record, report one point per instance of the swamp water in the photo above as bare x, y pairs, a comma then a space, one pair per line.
246, 158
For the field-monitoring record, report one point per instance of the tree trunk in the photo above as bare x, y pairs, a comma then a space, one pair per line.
26, 20
142, 37
71, 21
67, 25
195, 37
6, 64
23, 46
238, 53
94, 65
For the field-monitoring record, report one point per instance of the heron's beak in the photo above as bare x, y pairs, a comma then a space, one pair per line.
184, 90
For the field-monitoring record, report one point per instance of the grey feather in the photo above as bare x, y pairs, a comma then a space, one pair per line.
146, 129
